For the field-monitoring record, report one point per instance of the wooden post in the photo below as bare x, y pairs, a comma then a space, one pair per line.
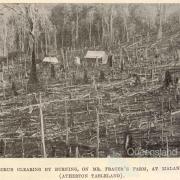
66, 58
8, 63
55, 39
162, 105
97, 134
115, 134
119, 110
5, 145
87, 106
162, 132
146, 78
3, 82
148, 133
22, 145
167, 146
106, 124
127, 106
171, 120
46, 43
152, 76
70, 152
12, 62
37, 47
42, 128
66, 123
169, 104
62, 53
77, 149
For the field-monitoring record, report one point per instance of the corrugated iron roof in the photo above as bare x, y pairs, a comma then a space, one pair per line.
52, 60
95, 54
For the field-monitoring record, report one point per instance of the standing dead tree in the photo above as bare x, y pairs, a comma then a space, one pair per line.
34, 22
33, 80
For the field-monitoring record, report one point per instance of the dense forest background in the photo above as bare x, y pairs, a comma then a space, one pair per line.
56, 26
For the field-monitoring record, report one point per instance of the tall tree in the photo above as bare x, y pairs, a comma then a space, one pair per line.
90, 20
160, 15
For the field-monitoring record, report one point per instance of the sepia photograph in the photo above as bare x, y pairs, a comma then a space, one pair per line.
89, 80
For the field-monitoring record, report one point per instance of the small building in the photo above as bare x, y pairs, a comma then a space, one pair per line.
95, 58
51, 60
49, 68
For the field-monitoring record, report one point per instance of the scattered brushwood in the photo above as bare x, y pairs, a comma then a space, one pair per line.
139, 110
90, 118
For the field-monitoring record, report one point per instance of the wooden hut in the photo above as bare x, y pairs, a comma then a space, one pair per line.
49, 65
95, 58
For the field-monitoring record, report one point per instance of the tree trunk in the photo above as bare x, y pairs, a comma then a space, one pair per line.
33, 80
62, 39
46, 51
55, 40
49, 43
37, 49
102, 37
111, 26
42, 50
62, 34
125, 23
77, 28
90, 34
5, 39
98, 28
126, 29
159, 35
72, 38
